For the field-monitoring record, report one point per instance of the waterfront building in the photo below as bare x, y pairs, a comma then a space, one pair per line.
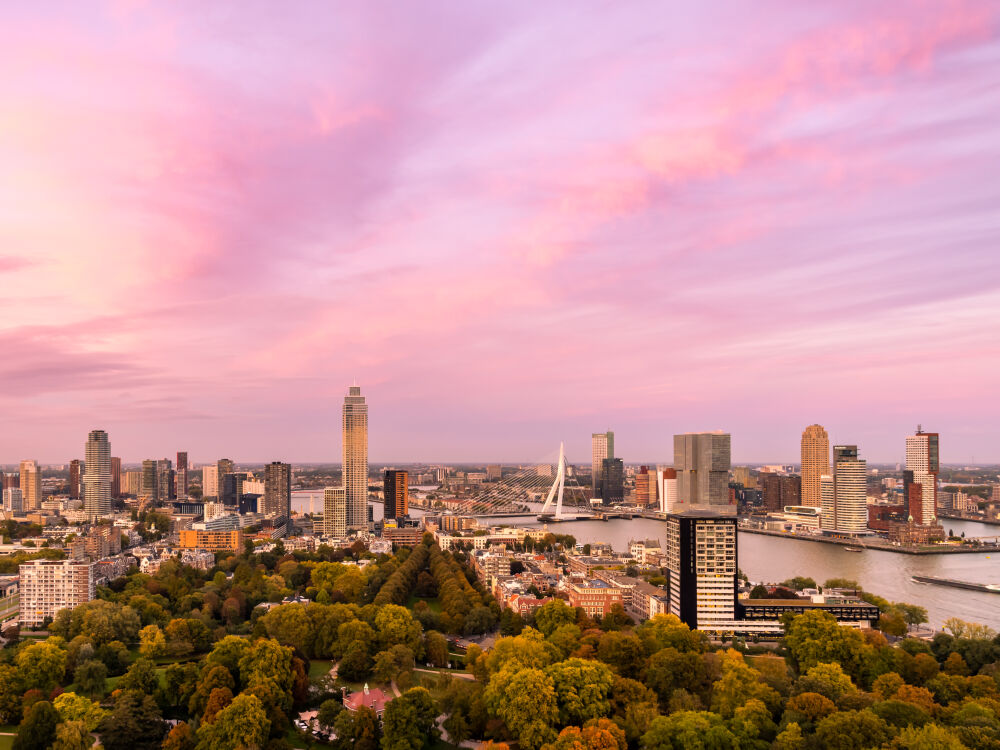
355, 457
396, 492
181, 484
210, 481
47, 586
612, 487
31, 485
701, 568
667, 481
701, 461
334, 513
779, 490
116, 477
277, 489
844, 494
645, 487
97, 475
815, 463
602, 445
74, 479
923, 460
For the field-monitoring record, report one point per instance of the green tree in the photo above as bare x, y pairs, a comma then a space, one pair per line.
929, 737
739, 683
669, 669
291, 625
436, 648
391, 663
663, 631
752, 724
526, 650
242, 725
357, 730
395, 626
91, 677
623, 652
41, 666
826, 679
152, 642
582, 688
73, 707
356, 664
689, 730
526, 701
133, 724
815, 637
11, 691
852, 730
38, 730
328, 712
72, 735
140, 677
790, 738
409, 721
552, 614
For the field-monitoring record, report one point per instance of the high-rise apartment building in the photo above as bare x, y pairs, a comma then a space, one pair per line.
74, 479
494, 472
149, 489
815, 463
355, 453
612, 486
12, 502
50, 585
31, 485
97, 475
132, 483
226, 466
602, 446
923, 458
334, 513
231, 487
181, 481
844, 494
666, 478
744, 477
116, 477
165, 480
780, 490
701, 460
701, 568
277, 489
396, 491
210, 481
645, 487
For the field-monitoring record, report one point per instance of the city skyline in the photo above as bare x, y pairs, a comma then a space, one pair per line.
212, 221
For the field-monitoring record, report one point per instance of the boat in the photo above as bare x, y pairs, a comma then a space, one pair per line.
991, 588
853, 549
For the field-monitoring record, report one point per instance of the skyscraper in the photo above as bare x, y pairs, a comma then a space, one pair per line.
165, 480
97, 475
396, 491
701, 460
602, 446
74, 479
355, 449
612, 485
210, 481
844, 494
148, 489
116, 477
701, 568
666, 478
923, 459
277, 489
334, 512
226, 466
815, 463
31, 485
181, 483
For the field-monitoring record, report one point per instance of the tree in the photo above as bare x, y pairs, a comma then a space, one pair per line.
133, 724
358, 730
38, 730
395, 626
242, 725
218, 699
826, 679
623, 652
815, 637
664, 631
852, 730
689, 730
526, 701
596, 736
356, 664
790, 738
181, 737
391, 663
328, 712
552, 614
971, 630
759, 592
752, 724
928, 737
739, 683
11, 691
152, 642
72, 735
91, 677
582, 688
73, 707
436, 648
409, 721
669, 669
140, 677
41, 666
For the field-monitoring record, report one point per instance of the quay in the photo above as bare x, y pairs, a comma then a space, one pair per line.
880, 545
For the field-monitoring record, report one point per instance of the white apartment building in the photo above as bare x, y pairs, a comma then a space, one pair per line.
47, 586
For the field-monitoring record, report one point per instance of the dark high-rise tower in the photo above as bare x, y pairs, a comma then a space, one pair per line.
277, 489
149, 477
397, 498
181, 484
116, 476
74, 479
612, 485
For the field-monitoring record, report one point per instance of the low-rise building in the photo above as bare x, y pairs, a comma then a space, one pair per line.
594, 596
488, 564
372, 698
215, 541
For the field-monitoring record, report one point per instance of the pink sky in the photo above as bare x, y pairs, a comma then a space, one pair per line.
512, 223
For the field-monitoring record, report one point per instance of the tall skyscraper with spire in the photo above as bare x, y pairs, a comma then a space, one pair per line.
355, 466
97, 475
815, 463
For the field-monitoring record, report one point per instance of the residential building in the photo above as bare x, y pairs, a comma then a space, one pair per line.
181, 483
595, 596
701, 567
214, 541
47, 586
31, 485
779, 490
12, 500
645, 487
97, 475
815, 463
403, 536
103, 541
396, 491
602, 447
131, 483
355, 457
666, 478
844, 495
165, 481
74, 479
116, 477
923, 460
210, 481
612, 487
277, 489
489, 564
334, 513
702, 463
493, 473
149, 489
10, 600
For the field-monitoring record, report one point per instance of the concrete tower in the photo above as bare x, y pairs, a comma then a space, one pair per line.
97, 475
355, 464
701, 460
815, 463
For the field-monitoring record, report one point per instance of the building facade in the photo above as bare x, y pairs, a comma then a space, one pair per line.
355, 457
815, 463
701, 566
74, 479
214, 541
701, 461
210, 481
334, 512
97, 475
602, 446
116, 477
181, 482
844, 494
278, 489
47, 586
612, 486
31, 485
396, 491
923, 460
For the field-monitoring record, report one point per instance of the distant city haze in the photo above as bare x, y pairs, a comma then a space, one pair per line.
512, 224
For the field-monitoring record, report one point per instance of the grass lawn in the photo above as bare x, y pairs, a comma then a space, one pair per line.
6, 740
434, 603
319, 667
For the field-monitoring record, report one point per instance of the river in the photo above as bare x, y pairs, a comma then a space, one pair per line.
771, 559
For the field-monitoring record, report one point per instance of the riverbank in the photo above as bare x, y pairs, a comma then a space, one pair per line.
972, 519
881, 546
